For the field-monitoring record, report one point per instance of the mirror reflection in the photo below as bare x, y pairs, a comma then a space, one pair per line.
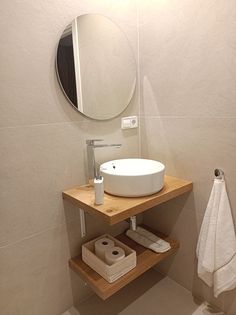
96, 67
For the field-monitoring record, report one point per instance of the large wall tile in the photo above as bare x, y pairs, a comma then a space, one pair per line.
30, 93
34, 275
187, 67
39, 162
192, 148
187, 59
43, 152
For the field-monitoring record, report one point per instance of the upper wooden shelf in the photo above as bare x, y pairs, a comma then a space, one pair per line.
116, 209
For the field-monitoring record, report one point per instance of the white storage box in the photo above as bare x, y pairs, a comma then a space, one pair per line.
113, 272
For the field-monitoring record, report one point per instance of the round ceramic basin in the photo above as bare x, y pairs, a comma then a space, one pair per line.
133, 177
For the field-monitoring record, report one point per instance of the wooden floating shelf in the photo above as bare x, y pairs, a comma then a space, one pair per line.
116, 209
146, 259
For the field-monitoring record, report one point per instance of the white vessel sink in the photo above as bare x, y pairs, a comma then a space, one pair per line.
132, 177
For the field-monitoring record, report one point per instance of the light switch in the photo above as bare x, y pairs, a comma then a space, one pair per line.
129, 122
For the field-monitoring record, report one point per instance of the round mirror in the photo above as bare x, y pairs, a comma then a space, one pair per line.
96, 67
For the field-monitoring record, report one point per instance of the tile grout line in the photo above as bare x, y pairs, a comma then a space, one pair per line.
37, 234
42, 124
55, 123
139, 80
187, 117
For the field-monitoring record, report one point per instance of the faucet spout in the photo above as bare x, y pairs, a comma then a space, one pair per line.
93, 170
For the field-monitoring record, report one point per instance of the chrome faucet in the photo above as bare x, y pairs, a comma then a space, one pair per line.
93, 170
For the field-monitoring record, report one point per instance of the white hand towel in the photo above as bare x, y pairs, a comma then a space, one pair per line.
216, 248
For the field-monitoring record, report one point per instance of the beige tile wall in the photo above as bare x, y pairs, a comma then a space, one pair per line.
42, 152
187, 65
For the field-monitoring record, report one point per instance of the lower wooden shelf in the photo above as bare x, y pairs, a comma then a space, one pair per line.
146, 259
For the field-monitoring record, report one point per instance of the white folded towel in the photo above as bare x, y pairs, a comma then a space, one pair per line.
216, 248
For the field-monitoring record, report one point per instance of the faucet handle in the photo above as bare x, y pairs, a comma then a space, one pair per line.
92, 141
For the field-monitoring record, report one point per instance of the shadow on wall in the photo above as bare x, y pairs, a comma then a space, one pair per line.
178, 221
157, 148
124, 298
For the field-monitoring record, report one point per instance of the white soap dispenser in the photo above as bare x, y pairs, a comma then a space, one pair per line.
99, 189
